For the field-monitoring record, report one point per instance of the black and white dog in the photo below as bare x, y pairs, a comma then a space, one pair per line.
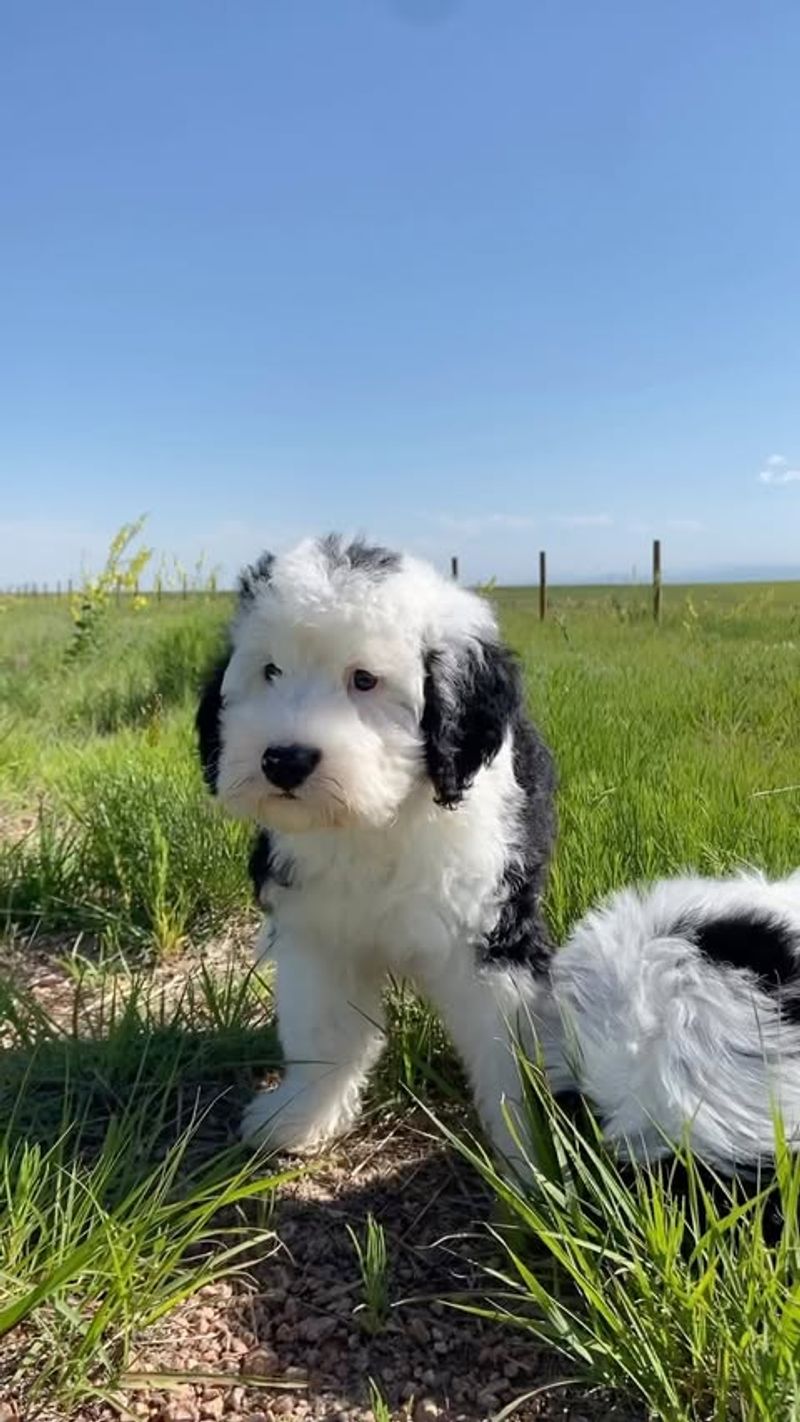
675, 1010
370, 721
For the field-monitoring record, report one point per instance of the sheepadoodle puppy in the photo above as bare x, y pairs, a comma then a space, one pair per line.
369, 720
675, 1011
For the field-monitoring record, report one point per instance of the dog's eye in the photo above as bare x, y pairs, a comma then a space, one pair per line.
271, 671
362, 680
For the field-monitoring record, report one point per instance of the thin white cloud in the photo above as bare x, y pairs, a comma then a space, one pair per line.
599, 520
777, 470
477, 525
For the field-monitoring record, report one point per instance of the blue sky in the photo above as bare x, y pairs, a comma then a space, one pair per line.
474, 276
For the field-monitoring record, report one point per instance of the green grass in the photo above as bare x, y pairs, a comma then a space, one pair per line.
676, 748
120, 1192
674, 1298
373, 1267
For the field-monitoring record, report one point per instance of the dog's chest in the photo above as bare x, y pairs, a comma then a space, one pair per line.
392, 897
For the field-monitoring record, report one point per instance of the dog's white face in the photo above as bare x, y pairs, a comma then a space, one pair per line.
320, 720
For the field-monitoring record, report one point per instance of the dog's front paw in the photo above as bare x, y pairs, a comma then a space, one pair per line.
281, 1119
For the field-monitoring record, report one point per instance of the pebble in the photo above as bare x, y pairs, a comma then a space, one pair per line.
316, 1330
425, 1410
419, 1330
295, 1374
264, 1362
179, 1411
212, 1408
489, 1401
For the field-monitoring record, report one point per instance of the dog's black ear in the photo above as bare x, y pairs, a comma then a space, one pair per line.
471, 698
254, 576
207, 724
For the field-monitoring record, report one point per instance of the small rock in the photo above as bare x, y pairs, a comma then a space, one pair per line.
177, 1410
294, 1374
256, 1417
425, 1410
316, 1330
283, 1407
212, 1408
419, 1330
264, 1362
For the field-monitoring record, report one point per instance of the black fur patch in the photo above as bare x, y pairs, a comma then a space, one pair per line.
266, 866
464, 725
521, 935
207, 724
361, 557
256, 573
465, 721
755, 941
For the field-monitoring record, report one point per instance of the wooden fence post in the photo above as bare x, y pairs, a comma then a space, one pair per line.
454, 569
542, 585
657, 580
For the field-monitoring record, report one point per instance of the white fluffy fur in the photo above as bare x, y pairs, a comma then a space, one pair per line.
667, 1045
384, 880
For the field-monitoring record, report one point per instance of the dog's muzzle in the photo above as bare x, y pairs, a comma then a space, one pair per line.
286, 767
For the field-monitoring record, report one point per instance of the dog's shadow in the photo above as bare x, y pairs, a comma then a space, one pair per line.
147, 1082
302, 1309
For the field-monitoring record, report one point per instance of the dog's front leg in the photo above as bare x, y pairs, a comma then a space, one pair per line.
490, 1014
330, 1025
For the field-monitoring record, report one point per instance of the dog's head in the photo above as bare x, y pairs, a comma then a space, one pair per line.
356, 677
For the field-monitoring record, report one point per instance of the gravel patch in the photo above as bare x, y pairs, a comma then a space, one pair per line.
290, 1340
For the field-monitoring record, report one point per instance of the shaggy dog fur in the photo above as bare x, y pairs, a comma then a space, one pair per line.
675, 1011
369, 720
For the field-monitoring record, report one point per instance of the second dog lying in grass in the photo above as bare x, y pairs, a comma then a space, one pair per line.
675, 1011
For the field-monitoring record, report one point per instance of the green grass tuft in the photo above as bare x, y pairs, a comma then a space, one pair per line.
677, 1298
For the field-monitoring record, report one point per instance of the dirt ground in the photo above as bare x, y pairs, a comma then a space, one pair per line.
289, 1342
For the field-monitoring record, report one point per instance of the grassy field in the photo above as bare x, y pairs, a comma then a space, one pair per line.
121, 1193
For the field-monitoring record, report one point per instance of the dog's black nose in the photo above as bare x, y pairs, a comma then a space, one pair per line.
288, 766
